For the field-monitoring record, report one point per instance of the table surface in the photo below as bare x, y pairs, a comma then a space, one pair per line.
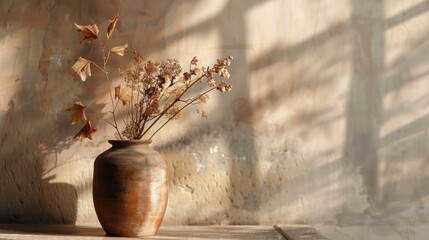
63, 232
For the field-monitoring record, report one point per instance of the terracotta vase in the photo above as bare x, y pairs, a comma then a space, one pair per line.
130, 189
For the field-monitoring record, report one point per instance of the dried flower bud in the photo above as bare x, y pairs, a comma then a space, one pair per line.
131, 130
203, 98
224, 73
171, 69
210, 81
151, 69
195, 61
186, 76
221, 67
173, 113
223, 86
196, 71
151, 91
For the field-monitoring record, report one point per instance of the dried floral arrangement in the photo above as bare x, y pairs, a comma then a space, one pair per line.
152, 93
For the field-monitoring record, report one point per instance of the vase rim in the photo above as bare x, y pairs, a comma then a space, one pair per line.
129, 142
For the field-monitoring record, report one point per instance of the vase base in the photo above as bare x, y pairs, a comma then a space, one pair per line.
128, 234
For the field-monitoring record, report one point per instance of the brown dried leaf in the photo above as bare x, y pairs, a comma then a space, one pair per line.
89, 32
77, 113
112, 26
119, 50
123, 93
82, 67
86, 132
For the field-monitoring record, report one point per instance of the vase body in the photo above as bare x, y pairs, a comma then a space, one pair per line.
130, 189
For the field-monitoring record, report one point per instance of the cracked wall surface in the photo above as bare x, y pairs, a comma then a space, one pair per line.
327, 121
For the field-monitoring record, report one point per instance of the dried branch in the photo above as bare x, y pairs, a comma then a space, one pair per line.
156, 89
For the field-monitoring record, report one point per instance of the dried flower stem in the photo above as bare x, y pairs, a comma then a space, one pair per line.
102, 47
180, 110
101, 69
170, 106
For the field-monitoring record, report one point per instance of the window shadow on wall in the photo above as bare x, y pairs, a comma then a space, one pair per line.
385, 159
392, 165
367, 152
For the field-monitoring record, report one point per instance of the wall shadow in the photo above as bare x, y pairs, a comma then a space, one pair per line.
31, 129
375, 154
364, 107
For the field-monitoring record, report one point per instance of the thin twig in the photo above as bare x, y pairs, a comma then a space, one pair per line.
120, 113
107, 58
95, 64
172, 104
170, 118
102, 47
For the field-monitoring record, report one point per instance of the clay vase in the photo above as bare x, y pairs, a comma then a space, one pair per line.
130, 189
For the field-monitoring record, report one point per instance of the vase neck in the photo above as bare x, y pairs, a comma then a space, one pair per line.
127, 143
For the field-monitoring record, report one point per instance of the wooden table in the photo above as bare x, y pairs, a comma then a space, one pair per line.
63, 232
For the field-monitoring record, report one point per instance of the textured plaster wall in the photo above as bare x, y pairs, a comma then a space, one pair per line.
327, 122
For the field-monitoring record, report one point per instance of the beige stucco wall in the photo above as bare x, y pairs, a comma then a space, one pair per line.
327, 122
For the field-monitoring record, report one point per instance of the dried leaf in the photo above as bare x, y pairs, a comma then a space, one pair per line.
89, 32
112, 26
82, 68
86, 132
77, 113
119, 50
123, 93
